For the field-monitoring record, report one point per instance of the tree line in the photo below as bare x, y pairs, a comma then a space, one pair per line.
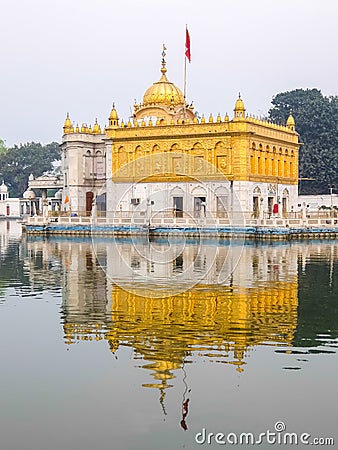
316, 118
18, 162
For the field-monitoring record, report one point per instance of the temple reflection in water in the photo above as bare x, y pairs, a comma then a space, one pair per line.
110, 291
256, 304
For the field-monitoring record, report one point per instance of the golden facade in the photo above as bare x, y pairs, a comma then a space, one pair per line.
244, 148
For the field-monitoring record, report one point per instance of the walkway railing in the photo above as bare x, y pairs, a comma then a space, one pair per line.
190, 219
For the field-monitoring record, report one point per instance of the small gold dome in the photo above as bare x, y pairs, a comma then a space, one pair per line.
113, 118
96, 129
113, 114
67, 127
239, 111
239, 106
67, 123
163, 92
290, 123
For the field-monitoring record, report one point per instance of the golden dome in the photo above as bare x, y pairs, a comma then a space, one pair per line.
163, 92
164, 101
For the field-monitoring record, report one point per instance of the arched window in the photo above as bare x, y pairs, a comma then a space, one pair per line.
100, 165
174, 148
88, 164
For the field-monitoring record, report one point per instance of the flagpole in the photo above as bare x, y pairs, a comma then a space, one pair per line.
185, 85
185, 74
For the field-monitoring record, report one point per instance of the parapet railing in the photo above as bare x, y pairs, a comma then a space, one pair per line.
190, 219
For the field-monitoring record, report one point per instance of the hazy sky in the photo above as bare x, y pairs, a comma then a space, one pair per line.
80, 56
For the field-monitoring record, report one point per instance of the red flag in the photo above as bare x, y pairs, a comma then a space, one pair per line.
66, 199
187, 45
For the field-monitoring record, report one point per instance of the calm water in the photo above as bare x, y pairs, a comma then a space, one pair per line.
95, 354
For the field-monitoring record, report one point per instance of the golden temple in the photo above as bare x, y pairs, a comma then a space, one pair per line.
166, 141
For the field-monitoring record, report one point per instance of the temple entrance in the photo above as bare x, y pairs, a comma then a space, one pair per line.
89, 203
221, 206
101, 204
199, 207
255, 207
285, 202
178, 206
270, 205
284, 206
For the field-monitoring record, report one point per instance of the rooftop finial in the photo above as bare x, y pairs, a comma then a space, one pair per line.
164, 69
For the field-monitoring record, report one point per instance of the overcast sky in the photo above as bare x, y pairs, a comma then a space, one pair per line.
81, 55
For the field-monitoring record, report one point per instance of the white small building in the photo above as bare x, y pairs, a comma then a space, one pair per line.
9, 207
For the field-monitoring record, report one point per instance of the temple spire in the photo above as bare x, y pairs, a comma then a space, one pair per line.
164, 63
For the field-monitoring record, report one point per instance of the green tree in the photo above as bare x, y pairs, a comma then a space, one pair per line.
3, 148
20, 161
316, 118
